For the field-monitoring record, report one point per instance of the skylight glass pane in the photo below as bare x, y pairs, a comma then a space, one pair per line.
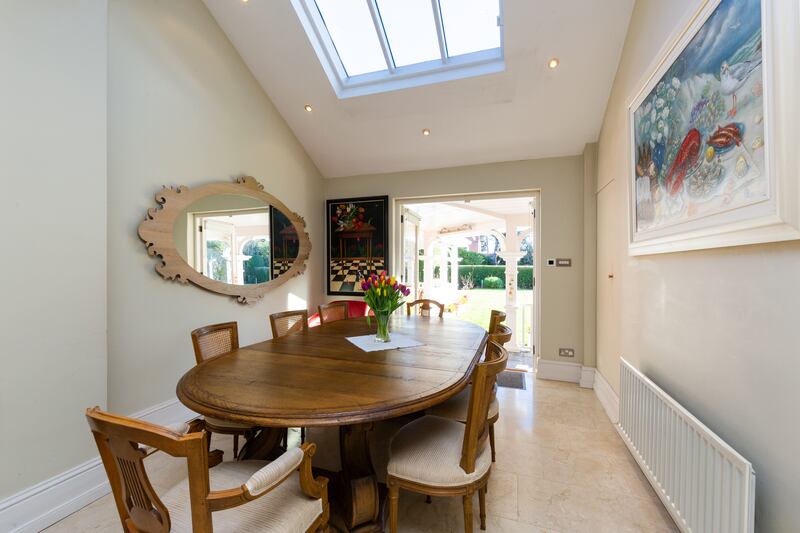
350, 26
470, 25
410, 30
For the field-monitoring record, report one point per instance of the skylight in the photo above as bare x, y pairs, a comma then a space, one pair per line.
369, 46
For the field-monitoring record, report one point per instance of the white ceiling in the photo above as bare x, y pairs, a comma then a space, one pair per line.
526, 112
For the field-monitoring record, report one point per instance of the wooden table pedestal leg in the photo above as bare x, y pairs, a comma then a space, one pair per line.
264, 445
361, 499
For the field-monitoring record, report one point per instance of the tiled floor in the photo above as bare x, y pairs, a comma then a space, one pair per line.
560, 468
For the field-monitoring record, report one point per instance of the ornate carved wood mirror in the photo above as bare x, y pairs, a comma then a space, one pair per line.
230, 238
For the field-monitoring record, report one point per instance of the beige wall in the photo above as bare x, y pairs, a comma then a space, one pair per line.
561, 183
717, 329
184, 109
53, 213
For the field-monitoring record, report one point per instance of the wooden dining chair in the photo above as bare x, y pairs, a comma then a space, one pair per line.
496, 317
441, 457
288, 322
243, 495
208, 342
457, 407
332, 312
425, 307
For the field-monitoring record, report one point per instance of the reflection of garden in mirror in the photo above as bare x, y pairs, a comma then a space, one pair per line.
235, 239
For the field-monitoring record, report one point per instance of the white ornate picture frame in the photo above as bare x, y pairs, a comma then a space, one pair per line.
775, 214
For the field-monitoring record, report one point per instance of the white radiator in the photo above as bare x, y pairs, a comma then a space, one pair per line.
705, 484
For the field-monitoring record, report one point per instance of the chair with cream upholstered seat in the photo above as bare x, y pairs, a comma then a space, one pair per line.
208, 342
441, 457
332, 312
425, 307
288, 323
242, 495
457, 407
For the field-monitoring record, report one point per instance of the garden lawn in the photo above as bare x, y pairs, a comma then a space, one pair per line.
481, 301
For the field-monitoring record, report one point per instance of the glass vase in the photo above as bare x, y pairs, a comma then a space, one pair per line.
382, 318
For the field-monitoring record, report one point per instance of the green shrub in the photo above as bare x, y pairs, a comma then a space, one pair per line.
481, 272
493, 282
525, 278
471, 258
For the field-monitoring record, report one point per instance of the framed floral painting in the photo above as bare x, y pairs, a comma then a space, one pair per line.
707, 170
358, 237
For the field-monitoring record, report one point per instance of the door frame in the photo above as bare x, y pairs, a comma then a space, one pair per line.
396, 206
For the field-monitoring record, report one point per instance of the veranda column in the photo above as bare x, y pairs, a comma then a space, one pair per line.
427, 267
511, 255
454, 269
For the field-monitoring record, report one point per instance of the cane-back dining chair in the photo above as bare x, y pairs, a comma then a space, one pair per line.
288, 322
332, 312
232, 497
208, 342
442, 457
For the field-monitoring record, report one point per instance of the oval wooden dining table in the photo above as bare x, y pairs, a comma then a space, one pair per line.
320, 378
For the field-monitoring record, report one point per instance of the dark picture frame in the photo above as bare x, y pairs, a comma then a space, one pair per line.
357, 241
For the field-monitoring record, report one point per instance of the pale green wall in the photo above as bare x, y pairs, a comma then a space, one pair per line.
717, 329
185, 110
53, 209
561, 183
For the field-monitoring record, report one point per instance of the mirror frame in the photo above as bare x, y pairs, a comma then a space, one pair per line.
157, 233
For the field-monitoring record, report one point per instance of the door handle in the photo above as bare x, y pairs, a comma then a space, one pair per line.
611, 276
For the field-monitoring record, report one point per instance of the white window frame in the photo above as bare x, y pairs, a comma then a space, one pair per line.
394, 78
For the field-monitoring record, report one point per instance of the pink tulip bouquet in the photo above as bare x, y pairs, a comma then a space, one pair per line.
383, 295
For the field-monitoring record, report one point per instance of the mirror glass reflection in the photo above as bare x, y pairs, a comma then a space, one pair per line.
236, 239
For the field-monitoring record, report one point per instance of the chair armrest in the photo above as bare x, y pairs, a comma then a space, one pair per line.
311, 486
272, 475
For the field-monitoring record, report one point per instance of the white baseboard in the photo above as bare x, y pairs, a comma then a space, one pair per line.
587, 377
608, 398
47, 502
558, 370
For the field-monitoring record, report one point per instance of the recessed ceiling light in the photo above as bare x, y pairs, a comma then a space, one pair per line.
426, 132
308, 108
553, 63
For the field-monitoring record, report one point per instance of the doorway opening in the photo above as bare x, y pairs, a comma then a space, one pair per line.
475, 253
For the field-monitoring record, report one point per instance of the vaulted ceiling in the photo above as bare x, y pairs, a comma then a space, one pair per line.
527, 111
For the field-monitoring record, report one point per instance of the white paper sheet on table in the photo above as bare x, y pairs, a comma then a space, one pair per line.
396, 340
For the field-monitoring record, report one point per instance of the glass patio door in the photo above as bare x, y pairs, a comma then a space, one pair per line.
217, 241
409, 274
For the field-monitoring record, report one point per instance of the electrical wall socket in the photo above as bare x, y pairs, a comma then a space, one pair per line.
566, 352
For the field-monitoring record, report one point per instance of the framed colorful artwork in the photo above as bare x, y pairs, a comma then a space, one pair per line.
712, 145
358, 238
